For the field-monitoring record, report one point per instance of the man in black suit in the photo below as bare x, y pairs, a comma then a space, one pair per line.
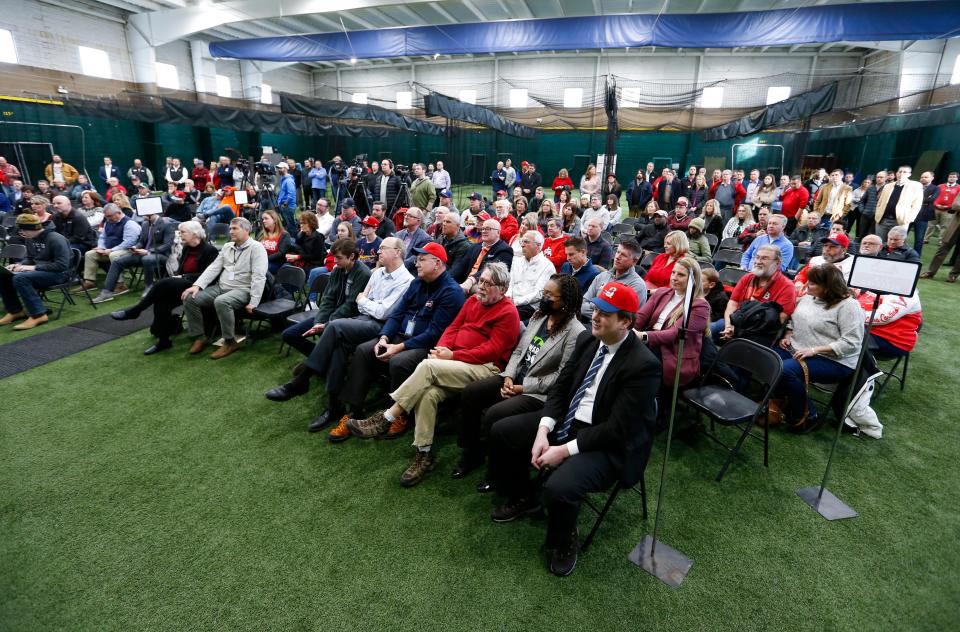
596, 427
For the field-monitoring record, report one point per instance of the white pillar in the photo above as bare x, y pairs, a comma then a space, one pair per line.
143, 59
252, 78
204, 68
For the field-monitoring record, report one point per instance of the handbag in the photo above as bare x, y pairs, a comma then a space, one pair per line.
777, 407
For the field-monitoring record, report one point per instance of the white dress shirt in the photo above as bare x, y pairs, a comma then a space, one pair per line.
383, 291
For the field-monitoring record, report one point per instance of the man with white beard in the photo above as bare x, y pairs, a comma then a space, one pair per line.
764, 283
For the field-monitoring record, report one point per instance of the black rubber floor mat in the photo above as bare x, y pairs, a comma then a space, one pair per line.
39, 349
107, 325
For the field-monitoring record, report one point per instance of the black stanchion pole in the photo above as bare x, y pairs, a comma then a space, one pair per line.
820, 498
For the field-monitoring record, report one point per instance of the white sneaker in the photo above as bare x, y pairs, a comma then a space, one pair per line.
102, 297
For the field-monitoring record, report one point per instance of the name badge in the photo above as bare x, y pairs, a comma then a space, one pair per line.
410, 325
231, 276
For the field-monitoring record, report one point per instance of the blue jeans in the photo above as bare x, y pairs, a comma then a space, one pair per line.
222, 214
318, 271
289, 222
885, 350
20, 290
919, 230
791, 385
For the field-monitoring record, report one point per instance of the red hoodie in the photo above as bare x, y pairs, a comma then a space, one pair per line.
555, 250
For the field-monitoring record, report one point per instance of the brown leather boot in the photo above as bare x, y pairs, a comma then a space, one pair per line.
225, 350
197, 346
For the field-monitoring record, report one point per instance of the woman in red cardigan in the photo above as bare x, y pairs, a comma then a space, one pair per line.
675, 246
661, 317
562, 180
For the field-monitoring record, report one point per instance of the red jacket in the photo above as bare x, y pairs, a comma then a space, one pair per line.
660, 270
667, 337
200, 177
793, 201
555, 251
481, 334
508, 228
559, 183
739, 193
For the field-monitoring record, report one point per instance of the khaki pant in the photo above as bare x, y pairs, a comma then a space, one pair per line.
92, 260
939, 225
432, 382
224, 302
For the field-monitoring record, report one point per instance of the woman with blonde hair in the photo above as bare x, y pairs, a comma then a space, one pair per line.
675, 246
545, 212
527, 223
660, 320
275, 239
561, 183
590, 181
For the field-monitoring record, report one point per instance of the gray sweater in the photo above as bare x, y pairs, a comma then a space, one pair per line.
839, 327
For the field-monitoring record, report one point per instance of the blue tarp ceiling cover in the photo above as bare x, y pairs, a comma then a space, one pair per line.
889, 21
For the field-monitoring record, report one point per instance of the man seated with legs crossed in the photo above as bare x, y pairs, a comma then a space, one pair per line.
341, 334
47, 263
596, 428
242, 268
429, 305
475, 346
151, 252
120, 234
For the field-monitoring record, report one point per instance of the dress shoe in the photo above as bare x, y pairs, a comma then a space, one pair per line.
926, 275
468, 463
121, 288
286, 391
225, 350
32, 322
197, 346
162, 345
483, 487
951, 278
317, 424
12, 317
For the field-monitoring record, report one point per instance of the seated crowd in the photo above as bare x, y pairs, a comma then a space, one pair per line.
551, 337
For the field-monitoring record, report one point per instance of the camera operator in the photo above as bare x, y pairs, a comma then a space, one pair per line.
372, 175
287, 198
356, 189
421, 189
337, 173
386, 188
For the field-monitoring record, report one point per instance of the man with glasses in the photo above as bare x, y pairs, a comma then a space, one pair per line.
679, 220
47, 263
476, 346
773, 237
412, 236
490, 248
764, 283
528, 274
624, 271
328, 358
414, 326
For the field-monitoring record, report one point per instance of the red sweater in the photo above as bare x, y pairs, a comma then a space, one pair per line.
739, 193
559, 183
793, 201
481, 334
660, 270
555, 251
508, 228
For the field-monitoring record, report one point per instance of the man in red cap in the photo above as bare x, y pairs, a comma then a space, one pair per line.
476, 346
596, 428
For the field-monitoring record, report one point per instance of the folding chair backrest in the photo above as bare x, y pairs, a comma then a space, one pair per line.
763, 363
319, 284
730, 243
292, 276
728, 256
13, 251
713, 241
9, 220
623, 228
731, 276
218, 230
648, 260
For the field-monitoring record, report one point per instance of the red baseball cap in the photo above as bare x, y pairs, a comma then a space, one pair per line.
432, 248
371, 221
837, 238
616, 297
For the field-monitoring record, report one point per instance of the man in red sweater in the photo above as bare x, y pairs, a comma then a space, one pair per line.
475, 346
795, 198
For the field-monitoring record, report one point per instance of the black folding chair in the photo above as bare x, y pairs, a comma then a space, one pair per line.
64, 288
728, 257
12, 252
623, 227
216, 231
287, 276
647, 260
9, 220
730, 243
640, 488
731, 276
727, 407
317, 287
633, 221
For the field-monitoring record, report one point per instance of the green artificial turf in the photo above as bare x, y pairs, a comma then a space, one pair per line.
166, 493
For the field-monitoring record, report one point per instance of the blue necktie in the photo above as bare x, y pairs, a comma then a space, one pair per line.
564, 429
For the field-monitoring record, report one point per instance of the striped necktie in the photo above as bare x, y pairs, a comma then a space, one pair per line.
564, 429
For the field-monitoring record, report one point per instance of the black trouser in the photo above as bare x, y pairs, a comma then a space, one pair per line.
164, 296
564, 488
481, 405
366, 369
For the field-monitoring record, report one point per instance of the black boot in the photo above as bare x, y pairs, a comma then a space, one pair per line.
335, 411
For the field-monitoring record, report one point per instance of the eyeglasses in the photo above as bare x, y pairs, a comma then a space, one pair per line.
681, 203
486, 282
382, 248
486, 228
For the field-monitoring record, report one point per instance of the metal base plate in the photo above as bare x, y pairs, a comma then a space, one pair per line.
827, 505
668, 565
